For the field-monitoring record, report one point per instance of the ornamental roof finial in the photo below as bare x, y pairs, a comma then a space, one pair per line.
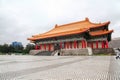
56, 26
87, 19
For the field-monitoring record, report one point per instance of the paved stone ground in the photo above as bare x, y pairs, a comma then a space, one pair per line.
59, 68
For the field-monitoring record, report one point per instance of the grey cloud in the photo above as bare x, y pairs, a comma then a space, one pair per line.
20, 19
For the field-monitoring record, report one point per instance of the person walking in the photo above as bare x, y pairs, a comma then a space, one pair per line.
117, 53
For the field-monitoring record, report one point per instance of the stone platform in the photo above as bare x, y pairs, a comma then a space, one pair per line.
59, 68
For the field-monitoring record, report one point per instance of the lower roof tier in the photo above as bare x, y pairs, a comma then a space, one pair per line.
101, 32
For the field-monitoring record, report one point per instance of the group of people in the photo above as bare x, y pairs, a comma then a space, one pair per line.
117, 51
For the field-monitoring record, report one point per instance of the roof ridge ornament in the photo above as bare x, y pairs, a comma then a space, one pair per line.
86, 19
56, 26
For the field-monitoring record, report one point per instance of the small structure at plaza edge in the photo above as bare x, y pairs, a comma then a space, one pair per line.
72, 39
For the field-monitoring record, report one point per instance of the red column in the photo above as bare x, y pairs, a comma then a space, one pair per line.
45, 47
36, 47
92, 45
82, 44
75, 44
40, 47
107, 44
60, 45
67, 45
64, 46
71, 45
103, 45
49, 47
97, 44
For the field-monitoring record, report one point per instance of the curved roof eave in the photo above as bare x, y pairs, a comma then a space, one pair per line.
101, 33
59, 34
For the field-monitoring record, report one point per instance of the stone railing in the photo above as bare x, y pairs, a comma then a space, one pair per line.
74, 52
34, 52
103, 51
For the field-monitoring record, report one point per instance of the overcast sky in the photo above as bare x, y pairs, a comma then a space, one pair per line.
20, 19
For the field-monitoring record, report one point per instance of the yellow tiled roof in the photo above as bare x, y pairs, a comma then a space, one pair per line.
68, 29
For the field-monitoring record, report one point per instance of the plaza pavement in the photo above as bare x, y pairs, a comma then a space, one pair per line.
59, 68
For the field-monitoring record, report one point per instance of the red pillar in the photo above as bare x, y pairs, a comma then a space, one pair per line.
75, 44
103, 45
97, 44
60, 45
40, 47
36, 47
49, 47
92, 45
82, 44
64, 46
45, 47
107, 44
68, 45
71, 45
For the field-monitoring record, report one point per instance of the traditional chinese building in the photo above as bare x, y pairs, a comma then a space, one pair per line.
76, 35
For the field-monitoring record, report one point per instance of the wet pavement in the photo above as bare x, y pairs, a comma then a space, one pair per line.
59, 68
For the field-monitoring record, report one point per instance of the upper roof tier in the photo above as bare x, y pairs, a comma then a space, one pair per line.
68, 29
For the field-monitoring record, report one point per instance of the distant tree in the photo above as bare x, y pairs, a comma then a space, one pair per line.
11, 49
16, 47
0, 49
4, 48
28, 48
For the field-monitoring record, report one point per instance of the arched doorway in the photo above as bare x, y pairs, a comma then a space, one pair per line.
58, 53
56, 46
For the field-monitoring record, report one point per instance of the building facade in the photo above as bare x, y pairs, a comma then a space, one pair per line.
82, 34
16, 44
